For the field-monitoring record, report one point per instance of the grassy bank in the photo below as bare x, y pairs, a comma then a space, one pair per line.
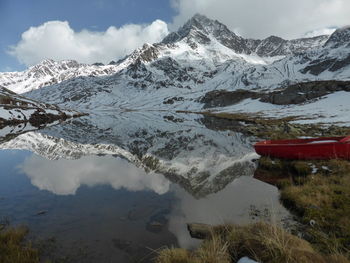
267, 128
318, 192
14, 248
260, 241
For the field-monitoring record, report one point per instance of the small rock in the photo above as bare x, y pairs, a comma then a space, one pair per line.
156, 224
312, 222
40, 213
200, 231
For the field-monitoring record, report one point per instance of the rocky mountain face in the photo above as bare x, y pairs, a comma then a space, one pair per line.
276, 46
202, 56
199, 28
339, 38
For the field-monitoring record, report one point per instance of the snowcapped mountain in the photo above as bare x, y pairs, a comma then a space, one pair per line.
200, 29
50, 72
202, 56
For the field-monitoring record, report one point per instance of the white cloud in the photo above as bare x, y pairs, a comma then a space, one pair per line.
58, 41
249, 18
64, 177
259, 19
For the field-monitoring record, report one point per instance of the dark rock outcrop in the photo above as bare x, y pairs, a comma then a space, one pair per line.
293, 94
222, 98
303, 92
340, 37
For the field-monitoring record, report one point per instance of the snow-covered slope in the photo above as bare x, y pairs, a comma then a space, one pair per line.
202, 56
50, 72
199, 38
21, 113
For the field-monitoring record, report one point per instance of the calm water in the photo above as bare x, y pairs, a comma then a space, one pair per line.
116, 189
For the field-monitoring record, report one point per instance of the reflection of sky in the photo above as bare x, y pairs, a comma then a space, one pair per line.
68, 177
9, 181
64, 177
116, 205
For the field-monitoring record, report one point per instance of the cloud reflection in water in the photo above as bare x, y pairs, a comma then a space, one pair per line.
64, 177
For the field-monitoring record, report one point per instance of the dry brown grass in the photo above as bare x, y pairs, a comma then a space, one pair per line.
322, 198
271, 244
213, 250
174, 255
259, 241
326, 201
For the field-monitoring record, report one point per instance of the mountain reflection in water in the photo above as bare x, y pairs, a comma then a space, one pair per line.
118, 189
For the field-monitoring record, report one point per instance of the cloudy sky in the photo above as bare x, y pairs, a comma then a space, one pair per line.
104, 30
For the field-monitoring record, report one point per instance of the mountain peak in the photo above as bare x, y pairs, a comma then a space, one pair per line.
199, 20
46, 62
202, 30
196, 24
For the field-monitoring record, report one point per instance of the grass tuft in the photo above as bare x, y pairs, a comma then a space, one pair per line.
174, 255
259, 241
14, 249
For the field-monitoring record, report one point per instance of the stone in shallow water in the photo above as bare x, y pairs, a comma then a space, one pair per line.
246, 260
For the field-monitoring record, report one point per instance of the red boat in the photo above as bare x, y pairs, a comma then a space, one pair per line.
306, 149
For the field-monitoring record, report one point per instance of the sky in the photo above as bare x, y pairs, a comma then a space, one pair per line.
103, 30
17, 16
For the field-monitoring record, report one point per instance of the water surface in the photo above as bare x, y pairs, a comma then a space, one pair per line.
115, 188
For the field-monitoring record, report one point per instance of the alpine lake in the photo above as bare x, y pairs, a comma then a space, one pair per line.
119, 186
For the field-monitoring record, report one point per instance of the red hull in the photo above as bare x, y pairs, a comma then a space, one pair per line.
306, 149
